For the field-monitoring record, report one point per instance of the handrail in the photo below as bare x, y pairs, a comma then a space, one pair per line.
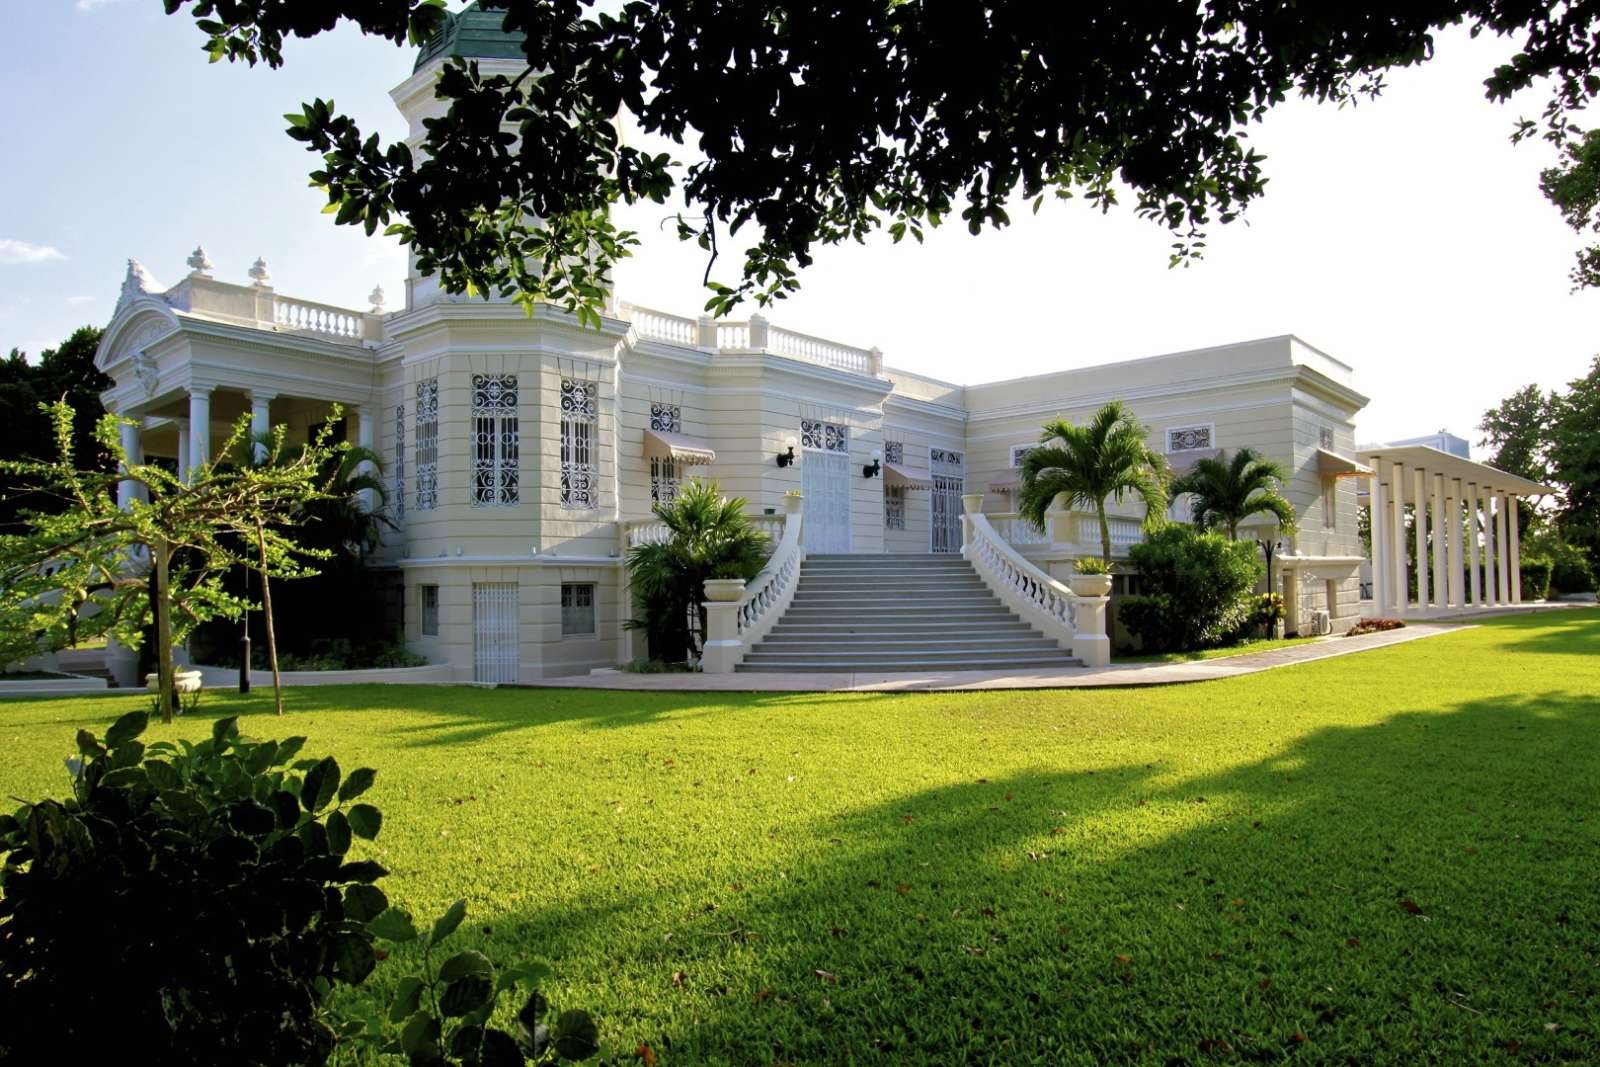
1016, 530
651, 531
1046, 603
652, 325
811, 349
312, 317
773, 584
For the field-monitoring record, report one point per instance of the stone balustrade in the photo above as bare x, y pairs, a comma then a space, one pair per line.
755, 334
739, 614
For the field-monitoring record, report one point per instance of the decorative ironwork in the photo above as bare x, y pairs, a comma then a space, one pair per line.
666, 418
1188, 438
664, 480
580, 417
1326, 436
824, 436
894, 507
894, 452
1019, 453
945, 461
496, 438
400, 461
427, 444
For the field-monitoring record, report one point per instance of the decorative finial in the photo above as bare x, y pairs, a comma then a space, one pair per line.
260, 273
376, 296
199, 262
137, 282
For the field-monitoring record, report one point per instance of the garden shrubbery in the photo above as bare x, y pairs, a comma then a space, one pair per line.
1197, 590
1536, 574
1375, 626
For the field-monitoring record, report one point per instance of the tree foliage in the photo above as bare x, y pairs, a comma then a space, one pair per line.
85, 566
1227, 491
66, 373
1110, 458
1196, 590
820, 123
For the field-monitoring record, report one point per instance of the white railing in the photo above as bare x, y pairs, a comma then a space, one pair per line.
734, 626
734, 335
318, 318
652, 325
771, 525
1016, 530
1124, 532
1073, 622
817, 350
643, 532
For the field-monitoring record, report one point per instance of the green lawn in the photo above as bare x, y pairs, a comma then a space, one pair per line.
1392, 857
1243, 648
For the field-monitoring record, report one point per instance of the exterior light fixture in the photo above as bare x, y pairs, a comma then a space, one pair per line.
787, 458
871, 470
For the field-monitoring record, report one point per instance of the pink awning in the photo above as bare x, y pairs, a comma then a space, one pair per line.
907, 477
691, 451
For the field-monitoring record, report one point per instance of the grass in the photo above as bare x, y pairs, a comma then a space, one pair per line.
1380, 858
1243, 648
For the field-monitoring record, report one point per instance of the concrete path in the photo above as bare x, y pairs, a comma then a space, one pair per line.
1118, 674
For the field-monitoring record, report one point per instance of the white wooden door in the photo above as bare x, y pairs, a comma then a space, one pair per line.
825, 481
495, 648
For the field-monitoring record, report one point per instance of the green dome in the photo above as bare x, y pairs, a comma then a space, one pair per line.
474, 33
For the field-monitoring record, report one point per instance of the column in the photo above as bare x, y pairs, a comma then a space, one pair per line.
1419, 528
1401, 589
1501, 555
1491, 580
1458, 577
183, 448
260, 421
1472, 545
366, 427
199, 428
127, 491
1376, 510
1436, 524
1514, 543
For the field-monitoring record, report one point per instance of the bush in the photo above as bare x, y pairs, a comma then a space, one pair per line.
1536, 572
1197, 590
1571, 573
1374, 626
1091, 565
191, 903
325, 654
1269, 609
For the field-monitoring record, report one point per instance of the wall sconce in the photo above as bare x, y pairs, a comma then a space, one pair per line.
787, 458
871, 469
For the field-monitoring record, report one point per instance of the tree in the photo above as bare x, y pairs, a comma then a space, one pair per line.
825, 122
1575, 460
85, 566
64, 373
708, 536
1519, 432
1110, 457
1226, 492
1573, 186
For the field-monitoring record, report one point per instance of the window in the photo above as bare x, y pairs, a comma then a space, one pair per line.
1189, 438
577, 609
663, 480
580, 418
1019, 452
1325, 435
894, 507
824, 436
894, 452
400, 461
1330, 504
494, 440
429, 597
666, 418
427, 444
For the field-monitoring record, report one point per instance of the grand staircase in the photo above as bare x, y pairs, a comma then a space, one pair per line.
876, 613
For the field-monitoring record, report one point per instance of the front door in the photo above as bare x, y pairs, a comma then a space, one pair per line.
945, 503
825, 481
495, 647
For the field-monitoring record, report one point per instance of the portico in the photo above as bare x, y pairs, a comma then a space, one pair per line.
1462, 551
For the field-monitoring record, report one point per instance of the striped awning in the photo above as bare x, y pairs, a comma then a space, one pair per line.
692, 451
1183, 462
1006, 483
1333, 465
906, 477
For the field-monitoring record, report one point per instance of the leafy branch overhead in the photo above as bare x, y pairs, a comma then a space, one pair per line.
819, 123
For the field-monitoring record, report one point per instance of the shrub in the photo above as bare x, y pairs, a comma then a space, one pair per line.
1374, 626
1269, 609
1536, 573
190, 903
1197, 590
1091, 565
1571, 573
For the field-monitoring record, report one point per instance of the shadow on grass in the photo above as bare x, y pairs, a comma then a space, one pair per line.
1570, 631
1419, 889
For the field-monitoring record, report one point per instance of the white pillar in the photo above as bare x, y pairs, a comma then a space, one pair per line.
1452, 509
183, 448
1420, 533
1441, 591
1501, 553
366, 428
199, 428
1401, 589
1491, 579
1514, 543
1472, 545
260, 421
127, 491
1377, 509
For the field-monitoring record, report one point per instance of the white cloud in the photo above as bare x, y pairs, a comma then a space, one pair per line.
78, 301
13, 252
86, 7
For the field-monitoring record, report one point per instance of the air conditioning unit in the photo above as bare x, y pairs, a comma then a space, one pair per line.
1321, 623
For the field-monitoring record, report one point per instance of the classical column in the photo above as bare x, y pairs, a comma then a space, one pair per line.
127, 491
183, 448
1419, 528
1377, 509
1452, 508
1491, 579
366, 427
260, 421
1441, 589
199, 427
1401, 589
1514, 543
1472, 545
1501, 553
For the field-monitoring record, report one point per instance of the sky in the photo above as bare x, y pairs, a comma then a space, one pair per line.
1406, 237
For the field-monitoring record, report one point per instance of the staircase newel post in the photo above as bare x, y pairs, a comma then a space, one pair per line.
971, 504
1090, 642
722, 648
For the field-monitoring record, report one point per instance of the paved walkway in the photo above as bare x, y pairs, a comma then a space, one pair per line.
1118, 674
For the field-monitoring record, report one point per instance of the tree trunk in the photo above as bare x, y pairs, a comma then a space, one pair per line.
1105, 533
1233, 531
161, 555
266, 610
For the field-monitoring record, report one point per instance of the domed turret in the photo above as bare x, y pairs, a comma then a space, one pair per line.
473, 33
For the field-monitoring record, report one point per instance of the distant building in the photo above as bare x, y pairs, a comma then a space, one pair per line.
1444, 441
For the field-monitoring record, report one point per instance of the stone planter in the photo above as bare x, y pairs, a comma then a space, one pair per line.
722, 590
183, 681
1090, 584
791, 506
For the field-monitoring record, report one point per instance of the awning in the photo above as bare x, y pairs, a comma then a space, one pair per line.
1333, 465
691, 451
1183, 462
908, 477
1006, 484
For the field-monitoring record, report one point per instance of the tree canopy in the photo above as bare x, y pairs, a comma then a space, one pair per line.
64, 373
818, 123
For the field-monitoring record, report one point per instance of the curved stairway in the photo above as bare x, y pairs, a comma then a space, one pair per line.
877, 613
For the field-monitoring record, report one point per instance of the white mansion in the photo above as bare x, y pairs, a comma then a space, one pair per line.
524, 454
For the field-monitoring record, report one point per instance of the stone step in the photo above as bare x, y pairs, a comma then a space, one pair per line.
918, 612
831, 664
867, 599
889, 647
933, 627
893, 585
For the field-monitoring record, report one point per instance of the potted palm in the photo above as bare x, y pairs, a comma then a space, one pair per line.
1091, 577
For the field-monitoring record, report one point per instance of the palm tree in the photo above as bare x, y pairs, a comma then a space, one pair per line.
708, 536
1110, 457
1228, 491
